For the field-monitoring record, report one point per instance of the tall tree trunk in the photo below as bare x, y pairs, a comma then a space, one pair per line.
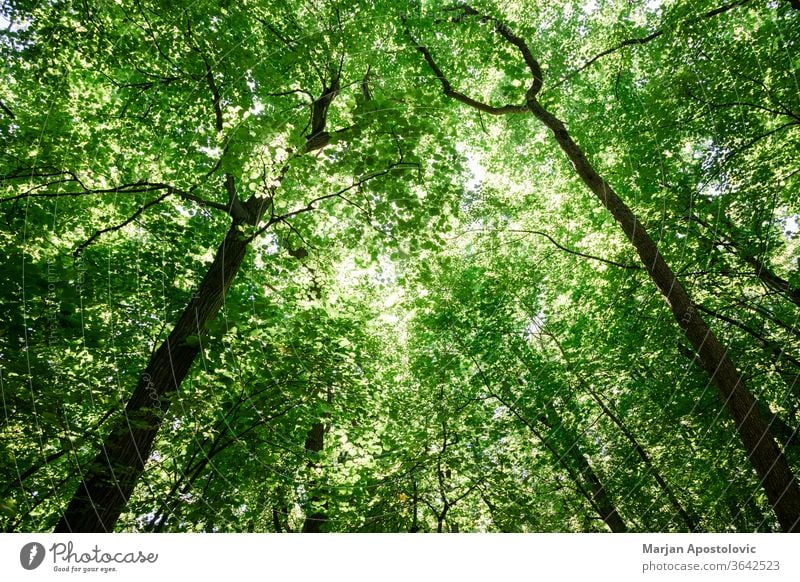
315, 517
600, 497
107, 483
415, 509
767, 459
689, 520
572, 460
569, 453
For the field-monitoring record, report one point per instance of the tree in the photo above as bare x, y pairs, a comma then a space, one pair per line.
762, 450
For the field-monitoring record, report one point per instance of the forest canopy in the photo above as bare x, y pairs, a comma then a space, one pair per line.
378, 266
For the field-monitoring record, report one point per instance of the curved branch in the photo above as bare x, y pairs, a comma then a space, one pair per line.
645, 40
132, 188
563, 248
504, 31
7, 111
453, 94
76, 253
578, 253
448, 90
338, 194
135, 188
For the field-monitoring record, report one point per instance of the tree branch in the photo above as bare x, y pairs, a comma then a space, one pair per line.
134, 188
776, 350
338, 194
365, 85
563, 248
504, 31
644, 40
218, 121
448, 90
76, 253
7, 111
714, 105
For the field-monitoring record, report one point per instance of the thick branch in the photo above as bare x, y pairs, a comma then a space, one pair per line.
448, 90
318, 137
218, 121
522, 46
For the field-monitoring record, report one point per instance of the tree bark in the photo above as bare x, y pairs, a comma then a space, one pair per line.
570, 459
769, 462
600, 498
764, 454
108, 482
571, 454
688, 520
315, 442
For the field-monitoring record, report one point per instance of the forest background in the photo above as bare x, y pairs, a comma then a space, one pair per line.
389, 266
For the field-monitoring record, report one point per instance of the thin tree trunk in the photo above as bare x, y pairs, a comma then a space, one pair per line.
108, 482
440, 520
598, 494
608, 512
276, 520
415, 515
769, 462
588, 483
689, 520
315, 518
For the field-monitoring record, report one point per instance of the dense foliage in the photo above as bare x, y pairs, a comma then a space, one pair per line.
337, 266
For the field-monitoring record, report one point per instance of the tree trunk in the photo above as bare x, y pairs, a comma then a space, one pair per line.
596, 494
688, 520
593, 488
600, 498
109, 480
315, 517
415, 515
769, 462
